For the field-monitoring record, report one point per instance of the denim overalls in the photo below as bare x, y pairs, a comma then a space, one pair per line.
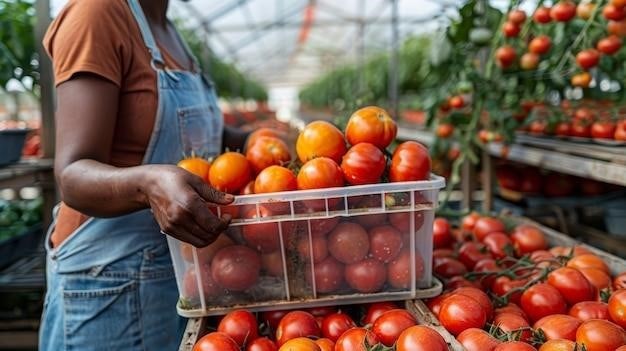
111, 283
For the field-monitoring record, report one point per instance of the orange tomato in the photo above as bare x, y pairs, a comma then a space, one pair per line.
371, 125
300, 344
325, 344
320, 139
197, 166
597, 277
581, 80
588, 261
230, 172
274, 179
558, 345
261, 132
617, 28
267, 151
600, 335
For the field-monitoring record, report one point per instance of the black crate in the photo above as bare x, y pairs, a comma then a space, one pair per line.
11, 144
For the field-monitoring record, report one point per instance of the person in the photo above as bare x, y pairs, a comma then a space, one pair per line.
131, 102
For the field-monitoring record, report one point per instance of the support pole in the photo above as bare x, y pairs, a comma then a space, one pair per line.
46, 81
393, 62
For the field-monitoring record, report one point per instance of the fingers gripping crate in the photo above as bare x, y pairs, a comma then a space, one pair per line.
312, 248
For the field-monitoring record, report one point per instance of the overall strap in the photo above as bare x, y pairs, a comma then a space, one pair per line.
146, 33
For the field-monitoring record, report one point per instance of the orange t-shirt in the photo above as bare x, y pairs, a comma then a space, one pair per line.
101, 37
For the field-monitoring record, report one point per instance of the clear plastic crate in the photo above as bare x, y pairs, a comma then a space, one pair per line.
312, 248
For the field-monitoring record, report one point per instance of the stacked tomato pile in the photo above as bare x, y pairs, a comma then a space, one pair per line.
383, 326
505, 290
360, 253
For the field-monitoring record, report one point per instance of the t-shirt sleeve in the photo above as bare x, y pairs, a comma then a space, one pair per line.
89, 37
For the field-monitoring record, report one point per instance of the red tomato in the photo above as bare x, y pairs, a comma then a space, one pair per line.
558, 326
587, 310
402, 221
445, 252
230, 172
513, 322
472, 252
511, 308
499, 245
300, 344
538, 127
190, 283
617, 28
505, 56
376, 309
420, 338
272, 318
216, 341
371, 220
613, 13
371, 125
527, 238
529, 61
541, 300
563, 128
434, 304
272, 264
459, 281
322, 311
348, 242
366, 276
267, 151
315, 249
479, 296
261, 132
542, 15
448, 267
563, 11
364, 163
262, 236
385, 243
325, 344
236, 267
517, 16
558, 345
336, 324
400, 272
572, 285
487, 265
441, 233
321, 227
469, 222
274, 179
609, 45
620, 132
262, 344
588, 261
356, 339
502, 285
617, 307
600, 335
410, 162
603, 129
558, 185
240, 325
456, 102
540, 44
514, 346
508, 178
460, 312
486, 225
510, 29
328, 275
474, 339
391, 324
587, 59
619, 282
296, 324
445, 130
320, 139
319, 173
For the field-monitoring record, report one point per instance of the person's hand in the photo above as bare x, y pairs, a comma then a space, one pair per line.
180, 202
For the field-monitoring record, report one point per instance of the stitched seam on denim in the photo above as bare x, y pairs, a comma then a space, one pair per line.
100, 292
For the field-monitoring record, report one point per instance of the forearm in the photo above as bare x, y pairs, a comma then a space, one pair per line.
234, 139
100, 190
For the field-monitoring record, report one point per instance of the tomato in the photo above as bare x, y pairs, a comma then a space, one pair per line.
478, 295
538, 127
456, 102
267, 151
540, 45
296, 324
558, 345
272, 264
240, 325
444, 130
248, 189
563, 11
513, 322
300, 344
568, 251
460, 312
588, 261
505, 56
205, 254
319, 173
613, 13
502, 285
619, 282
487, 225
558, 326
474, 339
585, 9
529, 61
508, 178
511, 308
618, 3
356, 339
261, 344
609, 45
603, 129
322, 311
320, 139
572, 285
400, 272
541, 300
197, 166
620, 132
510, 29
587, 59
472, 252
600, 335
230, 172
598, 278
542, 15
617, 28
410, 161
329, 276
376, 310
563, 128
581, 80
448, 267
434, 304
261, 132
581, 129
591, 187
498, 244
402, 221
587, 310
236, 267
262, 236
527, 238
364, 163
325, 344
459, 281
274, 179
487, 265
371, 125
558, 185
321, 227
391, 324
441, 233
336, 324
348, 242
190, 283
420, 338
316, 249
514, 345
385, 243
517, 16
617, 307
272, 318
469, 222
216, 341
366, 276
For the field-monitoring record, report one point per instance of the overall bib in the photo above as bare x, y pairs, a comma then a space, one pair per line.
111, 283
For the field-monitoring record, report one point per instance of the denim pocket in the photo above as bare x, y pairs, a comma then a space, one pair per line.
200, 131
